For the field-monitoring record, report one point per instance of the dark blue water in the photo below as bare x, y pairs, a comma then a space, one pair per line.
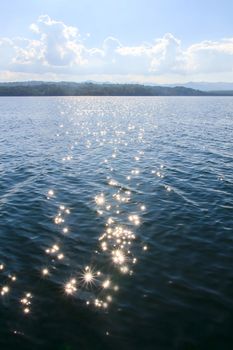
116, 223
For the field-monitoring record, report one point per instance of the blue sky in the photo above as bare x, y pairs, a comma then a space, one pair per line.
158, 41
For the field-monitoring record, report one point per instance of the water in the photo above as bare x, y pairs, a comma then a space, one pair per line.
116, 226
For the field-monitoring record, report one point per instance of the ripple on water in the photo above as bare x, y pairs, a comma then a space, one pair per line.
116, 223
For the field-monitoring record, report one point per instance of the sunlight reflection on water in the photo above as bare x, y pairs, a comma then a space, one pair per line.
119, 205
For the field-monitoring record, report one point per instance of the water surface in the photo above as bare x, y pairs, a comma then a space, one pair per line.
116, 226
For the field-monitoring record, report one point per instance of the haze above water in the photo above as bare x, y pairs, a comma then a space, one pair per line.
116, 226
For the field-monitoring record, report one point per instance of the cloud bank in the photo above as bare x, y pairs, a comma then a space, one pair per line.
59, 51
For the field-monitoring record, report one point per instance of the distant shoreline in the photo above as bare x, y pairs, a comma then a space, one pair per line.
98, 89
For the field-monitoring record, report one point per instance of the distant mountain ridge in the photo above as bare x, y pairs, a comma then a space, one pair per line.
205, 86
41, 88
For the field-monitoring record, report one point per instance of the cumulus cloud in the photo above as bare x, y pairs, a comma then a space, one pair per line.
7, 52
59, 50
164, 55
211, 57
61, 43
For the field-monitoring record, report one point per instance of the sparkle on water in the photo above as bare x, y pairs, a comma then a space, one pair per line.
117, 236
116, 239
99, 202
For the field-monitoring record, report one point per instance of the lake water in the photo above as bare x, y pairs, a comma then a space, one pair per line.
116, 223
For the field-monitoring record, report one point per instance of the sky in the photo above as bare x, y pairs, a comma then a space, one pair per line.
143, 41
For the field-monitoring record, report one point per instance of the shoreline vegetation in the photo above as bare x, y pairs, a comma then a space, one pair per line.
40, 88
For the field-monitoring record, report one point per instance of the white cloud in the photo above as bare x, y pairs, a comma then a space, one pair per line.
211, 57
165, 55
61, 52
61, 43
7, 52
34, 28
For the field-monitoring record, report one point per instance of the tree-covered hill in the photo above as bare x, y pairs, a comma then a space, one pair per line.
96, 89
